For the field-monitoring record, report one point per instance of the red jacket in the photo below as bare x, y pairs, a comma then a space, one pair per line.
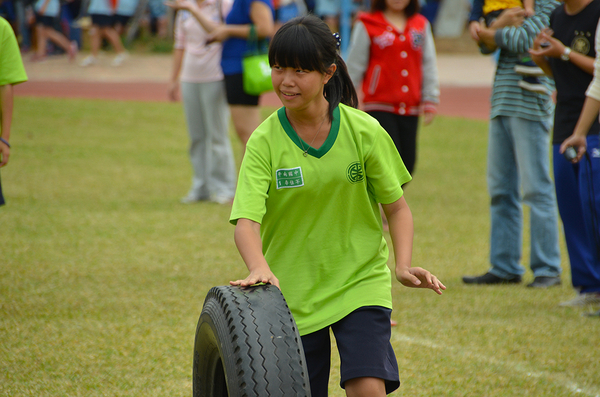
393, 80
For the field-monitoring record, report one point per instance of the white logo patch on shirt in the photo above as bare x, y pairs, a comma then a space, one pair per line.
289, 177
385, 39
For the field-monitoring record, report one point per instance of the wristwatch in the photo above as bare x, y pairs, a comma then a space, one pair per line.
566, 55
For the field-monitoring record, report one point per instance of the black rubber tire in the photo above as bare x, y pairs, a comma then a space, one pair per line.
247, 345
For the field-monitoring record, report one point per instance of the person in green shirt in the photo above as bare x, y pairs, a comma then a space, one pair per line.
307, 216
11, 72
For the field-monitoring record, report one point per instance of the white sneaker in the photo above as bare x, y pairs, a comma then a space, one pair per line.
592, 314
585, 299
89, 61
119, 59
189, 199
222, 200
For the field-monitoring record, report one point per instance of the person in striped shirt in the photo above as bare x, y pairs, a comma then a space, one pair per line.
518, 168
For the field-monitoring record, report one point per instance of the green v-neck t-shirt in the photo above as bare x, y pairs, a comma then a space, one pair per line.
320, 221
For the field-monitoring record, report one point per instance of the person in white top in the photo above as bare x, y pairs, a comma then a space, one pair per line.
198, 77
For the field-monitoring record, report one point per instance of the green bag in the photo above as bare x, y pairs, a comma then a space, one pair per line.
255, 65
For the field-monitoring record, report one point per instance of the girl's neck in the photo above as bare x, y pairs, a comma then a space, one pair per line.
308, 116
312, 126
396, 18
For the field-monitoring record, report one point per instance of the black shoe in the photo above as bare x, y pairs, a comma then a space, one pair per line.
544, 282
489, 278
592, 314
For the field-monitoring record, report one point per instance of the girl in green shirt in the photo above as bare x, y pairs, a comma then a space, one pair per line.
307, 216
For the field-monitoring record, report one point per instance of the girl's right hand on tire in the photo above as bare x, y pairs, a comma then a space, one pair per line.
265, 276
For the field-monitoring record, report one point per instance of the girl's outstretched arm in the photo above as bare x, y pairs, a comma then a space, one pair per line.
248, 241
6, 114
401, 232
589, 113
193, 7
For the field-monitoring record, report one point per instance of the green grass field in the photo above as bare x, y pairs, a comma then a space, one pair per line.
103, 272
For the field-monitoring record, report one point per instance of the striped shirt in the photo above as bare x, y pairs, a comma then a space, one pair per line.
508, 99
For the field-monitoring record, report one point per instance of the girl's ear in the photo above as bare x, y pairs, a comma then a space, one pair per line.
330, 72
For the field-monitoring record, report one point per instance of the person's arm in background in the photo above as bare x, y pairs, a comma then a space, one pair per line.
529, 7
474, 19
538, 52
178, 52
43, 7
431, 83
174, 82
589, 113
555, 49
358, 56
6, 111
192, 6
262, 19
512, 32
510, 17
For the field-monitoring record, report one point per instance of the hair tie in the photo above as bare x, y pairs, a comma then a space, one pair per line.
338, 40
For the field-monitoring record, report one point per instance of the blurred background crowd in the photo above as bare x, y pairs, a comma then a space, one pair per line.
151, 21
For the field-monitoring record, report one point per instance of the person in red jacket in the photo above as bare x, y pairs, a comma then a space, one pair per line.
393, 54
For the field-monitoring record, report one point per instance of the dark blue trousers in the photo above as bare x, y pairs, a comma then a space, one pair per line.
578, 198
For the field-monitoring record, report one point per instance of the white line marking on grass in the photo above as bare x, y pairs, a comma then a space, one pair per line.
519, 368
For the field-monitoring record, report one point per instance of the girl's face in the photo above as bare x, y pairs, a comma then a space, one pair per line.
396, 5
297, 88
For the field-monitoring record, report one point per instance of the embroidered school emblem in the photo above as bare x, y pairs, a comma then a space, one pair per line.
355, 173
289, 177
581, 42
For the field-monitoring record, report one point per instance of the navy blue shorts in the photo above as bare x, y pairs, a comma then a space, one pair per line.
44, 20
363, 341
234, 86
102, 20
121, 19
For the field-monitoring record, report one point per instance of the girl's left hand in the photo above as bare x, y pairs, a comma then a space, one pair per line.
4, 154
417, 277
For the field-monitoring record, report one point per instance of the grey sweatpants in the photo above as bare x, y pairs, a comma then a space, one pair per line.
207, 116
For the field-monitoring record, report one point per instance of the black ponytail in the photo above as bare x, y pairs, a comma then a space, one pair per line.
307, 43
340, 87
